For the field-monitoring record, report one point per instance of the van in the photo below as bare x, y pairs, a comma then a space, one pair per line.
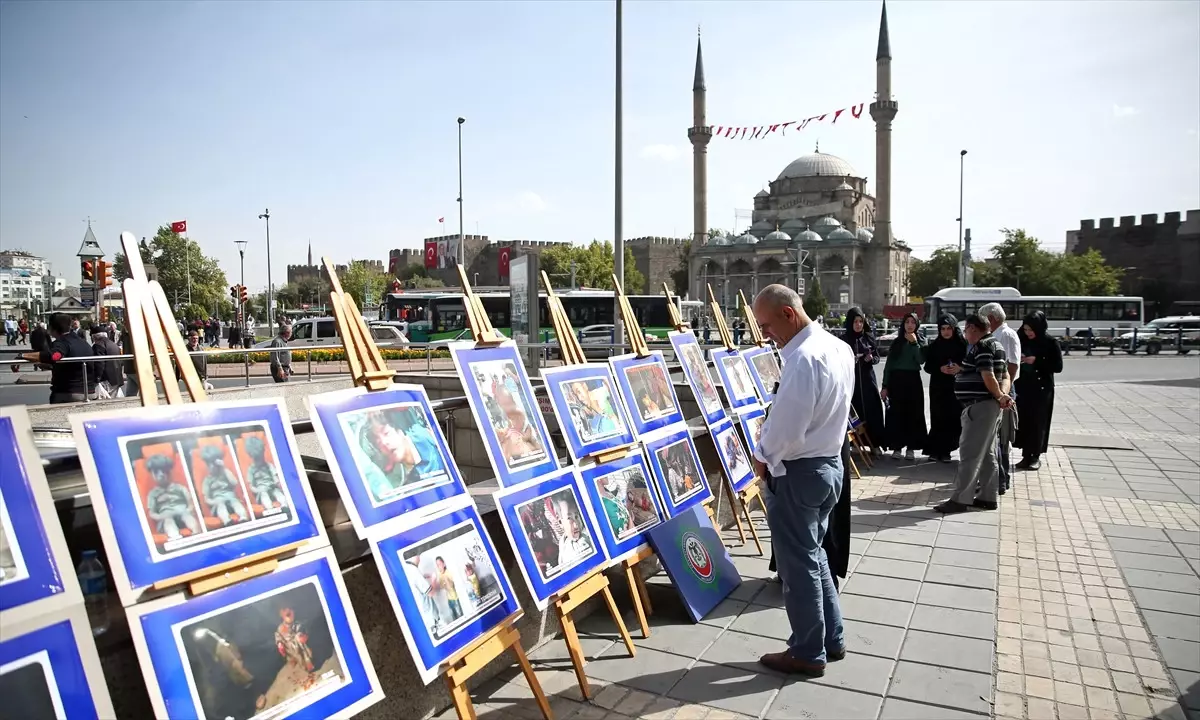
1165, 332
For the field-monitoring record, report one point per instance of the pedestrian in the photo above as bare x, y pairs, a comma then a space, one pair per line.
706, 328
22, 331
982, 387
110, 379
132, 383
943, 359
281, 359
1041, 360
903, 391
39, 339
10, 330
1007, 337
69, 381
199, 360
800, 454
866, 400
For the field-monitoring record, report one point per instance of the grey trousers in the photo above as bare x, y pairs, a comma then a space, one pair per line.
977, 453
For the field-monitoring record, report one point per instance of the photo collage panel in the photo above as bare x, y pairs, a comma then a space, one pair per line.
624, 502
752, 425
589, 412
736, 461
735, 376
764, 365
691, 358
646, 390
680, 477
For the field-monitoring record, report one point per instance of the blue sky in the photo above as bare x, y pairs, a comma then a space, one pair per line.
340, 117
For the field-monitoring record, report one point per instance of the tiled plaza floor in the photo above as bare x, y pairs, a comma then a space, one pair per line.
1079, 598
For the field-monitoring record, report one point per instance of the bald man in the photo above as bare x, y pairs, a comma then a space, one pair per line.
799, 455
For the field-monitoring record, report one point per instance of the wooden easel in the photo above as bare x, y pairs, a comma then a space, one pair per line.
752, 324
574, 596
369, 370
637, 339
673, 312
156, 339
477, 318
752, 491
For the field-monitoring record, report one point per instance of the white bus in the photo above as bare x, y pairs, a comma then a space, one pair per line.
1100, 314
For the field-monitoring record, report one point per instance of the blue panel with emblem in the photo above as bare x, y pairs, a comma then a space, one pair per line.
696, 560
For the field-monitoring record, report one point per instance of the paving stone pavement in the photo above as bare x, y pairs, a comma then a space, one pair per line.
1079, 598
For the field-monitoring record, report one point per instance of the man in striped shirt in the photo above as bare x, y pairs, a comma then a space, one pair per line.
981, 385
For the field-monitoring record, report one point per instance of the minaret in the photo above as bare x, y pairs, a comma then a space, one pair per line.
699, 134
883, 111
310, 253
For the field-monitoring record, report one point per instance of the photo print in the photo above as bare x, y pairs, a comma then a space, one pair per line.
587, 407
735, 376
733, 455
396, 450
453, 579
623, 501
12, 562
29, 688
645, 387
764, 366
752, 425
552, 532
49, 669
695, 369
593, 409
677, 471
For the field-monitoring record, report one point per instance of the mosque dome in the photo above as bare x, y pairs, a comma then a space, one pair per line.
721, 240
840, 235
865, 235
745, 239
778, 235
762, 193
844, 186
817, 165
828, 221
808, 236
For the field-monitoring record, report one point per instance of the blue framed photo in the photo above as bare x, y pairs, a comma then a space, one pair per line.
50, 669
187, 487
695, 369
677, 472
592, 418
734, 459
508, 417
280, 645
735, 377
645, 386
446, 584
552, 533
35, 564
764, 369
386, 452
624, 503
696, 560
752, 423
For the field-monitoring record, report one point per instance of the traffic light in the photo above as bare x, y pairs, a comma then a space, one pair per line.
89, 270
243, 294
233, 292
103, 274
103, 314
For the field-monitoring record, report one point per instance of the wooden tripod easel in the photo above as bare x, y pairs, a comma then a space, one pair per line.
742, 497
574, 596
673, 311
156, 339
751, 323
369, 369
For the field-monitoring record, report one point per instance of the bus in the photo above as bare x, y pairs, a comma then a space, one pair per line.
442, 316
1076, 313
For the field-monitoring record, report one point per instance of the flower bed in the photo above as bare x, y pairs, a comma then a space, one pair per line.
335, 354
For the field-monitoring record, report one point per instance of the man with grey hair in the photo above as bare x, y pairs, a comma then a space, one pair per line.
1011, 344
799, 454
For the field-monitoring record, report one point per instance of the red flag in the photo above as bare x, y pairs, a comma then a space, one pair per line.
179, 227
441, 219
505, 254
430, 254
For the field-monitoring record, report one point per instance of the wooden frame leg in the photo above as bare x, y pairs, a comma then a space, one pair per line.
531, 678
462, 700
854, 468
750, 522
616, 615
733, 506
637, 594
571, 637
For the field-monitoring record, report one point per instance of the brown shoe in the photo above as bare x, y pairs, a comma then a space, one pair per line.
783, 662
835, 655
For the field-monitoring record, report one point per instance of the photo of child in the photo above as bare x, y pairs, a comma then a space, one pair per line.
593, 410
628, 501
509, 408
451, 579
554, 529
651, 391
395, 450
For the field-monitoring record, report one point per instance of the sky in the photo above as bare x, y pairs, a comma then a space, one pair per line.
340, 118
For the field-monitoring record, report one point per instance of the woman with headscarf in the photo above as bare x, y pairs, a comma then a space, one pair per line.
865, 401
1041, 360
943, 358
904, 391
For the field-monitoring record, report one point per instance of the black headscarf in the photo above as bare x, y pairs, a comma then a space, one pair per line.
943, 350
948, 320
900, 331
850, 335
1036, 321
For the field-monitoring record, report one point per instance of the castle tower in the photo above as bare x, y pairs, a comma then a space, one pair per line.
699, 135
883, 111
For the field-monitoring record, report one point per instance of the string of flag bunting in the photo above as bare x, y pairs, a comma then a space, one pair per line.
760, 132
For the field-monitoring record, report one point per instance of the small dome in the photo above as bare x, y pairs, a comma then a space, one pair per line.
721, 240
840, 235
828, 221
808, 236
762, 193
762, 226
745, 239
778, 235
818, 165
844, 186
865, 235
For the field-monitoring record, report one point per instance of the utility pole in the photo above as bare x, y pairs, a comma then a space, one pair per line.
618, 239
266, 215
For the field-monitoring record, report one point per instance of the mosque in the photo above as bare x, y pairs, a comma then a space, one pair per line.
816, 220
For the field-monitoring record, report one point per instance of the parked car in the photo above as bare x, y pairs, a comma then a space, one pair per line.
1164, 333
322, 332
596, 341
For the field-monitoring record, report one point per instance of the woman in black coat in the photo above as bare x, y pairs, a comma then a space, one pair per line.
866, 401
1041, 360
943, 359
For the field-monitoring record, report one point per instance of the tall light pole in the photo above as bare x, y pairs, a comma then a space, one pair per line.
266, 215
618, 239
241, 311
462, 251
960, 278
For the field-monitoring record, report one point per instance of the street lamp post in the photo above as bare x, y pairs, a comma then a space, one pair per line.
960, 278
266, 215
618, 237
462, 251
241, 309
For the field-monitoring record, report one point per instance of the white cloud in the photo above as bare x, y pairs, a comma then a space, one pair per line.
666, 153
1122, 111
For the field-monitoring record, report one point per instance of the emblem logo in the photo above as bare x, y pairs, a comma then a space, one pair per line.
698, 559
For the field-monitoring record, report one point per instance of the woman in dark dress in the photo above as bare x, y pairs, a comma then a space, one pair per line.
866, 401
1041, 360
904, 391
942, 361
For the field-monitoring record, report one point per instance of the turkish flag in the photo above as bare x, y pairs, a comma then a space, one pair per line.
441, 219
504, 257
179, 227
430, 254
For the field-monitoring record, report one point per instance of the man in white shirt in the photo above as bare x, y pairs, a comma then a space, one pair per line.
1011, 343
799, 454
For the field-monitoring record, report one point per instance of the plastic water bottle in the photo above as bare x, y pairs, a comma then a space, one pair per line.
93, 581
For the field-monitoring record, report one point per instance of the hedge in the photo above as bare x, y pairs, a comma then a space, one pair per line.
335, 354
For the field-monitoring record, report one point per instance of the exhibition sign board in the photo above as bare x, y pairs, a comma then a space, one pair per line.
696, 561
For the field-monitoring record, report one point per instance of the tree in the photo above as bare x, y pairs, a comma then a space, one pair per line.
360, 278
311, 290
592, 266
925, 277
716, 233
286, 296
177, 258
815, 303
681, 275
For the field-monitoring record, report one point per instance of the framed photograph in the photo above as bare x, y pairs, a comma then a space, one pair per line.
735, 377
624, 503
752, 424
36, 573
49, 668
506, 412
584, 398
734, 458
695, 369
187, 487
386, 452
645, 386
696, 560
276, 646
677, 472
446, 584
764, 369
552, 533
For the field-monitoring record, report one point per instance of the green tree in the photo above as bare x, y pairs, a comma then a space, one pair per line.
176, 258
716, 233
313, 291
925, 277
592, 265
815, 303
287, 297
681, 275
408, 272
360, 277
421, 282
